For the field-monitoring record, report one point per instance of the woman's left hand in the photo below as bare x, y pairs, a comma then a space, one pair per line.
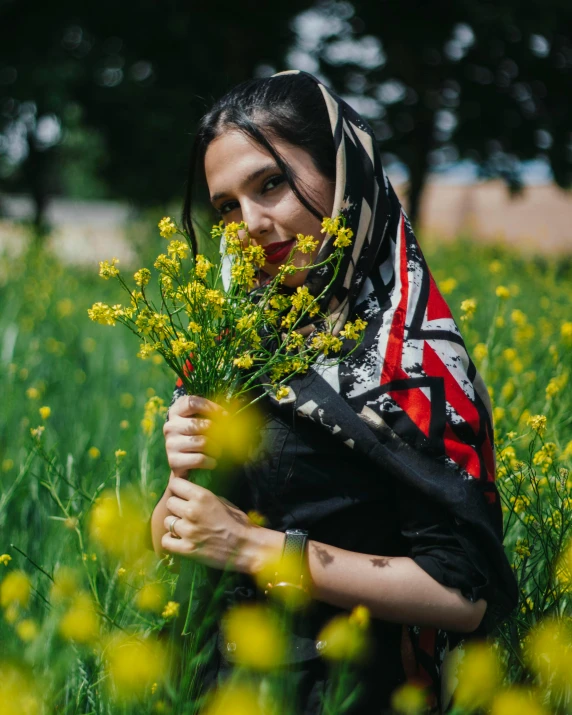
211, 529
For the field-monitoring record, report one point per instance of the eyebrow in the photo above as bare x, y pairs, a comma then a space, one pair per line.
251, 177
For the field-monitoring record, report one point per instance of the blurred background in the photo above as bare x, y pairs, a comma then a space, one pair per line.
470, 102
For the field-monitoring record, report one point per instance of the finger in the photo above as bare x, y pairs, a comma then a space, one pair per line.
181, 528
190, 405
181, 462
194, 443
187, 425
176, 546
178, 507
188, 490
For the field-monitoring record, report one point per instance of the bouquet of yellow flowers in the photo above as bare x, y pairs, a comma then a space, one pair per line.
219, 328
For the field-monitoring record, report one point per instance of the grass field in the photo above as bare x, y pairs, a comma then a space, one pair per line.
67, 634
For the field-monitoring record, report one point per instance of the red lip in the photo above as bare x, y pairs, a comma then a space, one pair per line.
278, 251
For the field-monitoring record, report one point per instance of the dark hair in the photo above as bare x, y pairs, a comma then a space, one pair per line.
289, 107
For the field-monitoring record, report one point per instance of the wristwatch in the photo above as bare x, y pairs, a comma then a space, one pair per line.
291, 580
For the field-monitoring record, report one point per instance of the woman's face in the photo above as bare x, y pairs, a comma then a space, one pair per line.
245, 184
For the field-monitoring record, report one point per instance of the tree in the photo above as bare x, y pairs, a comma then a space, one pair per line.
471, 79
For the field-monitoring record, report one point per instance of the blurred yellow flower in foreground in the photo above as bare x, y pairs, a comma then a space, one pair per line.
517, 701
151, 597
80, 623
236, 432
120, 530
18, 695
502, 292
254, 636
283, 569
94, 452
408, 699
45, 412
479, 676
448, 285
548, 652
5, 559
234, 699
135, 664
345, 637
15, 590
66, 584
27, 630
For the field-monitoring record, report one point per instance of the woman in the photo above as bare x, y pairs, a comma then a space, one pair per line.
386, 460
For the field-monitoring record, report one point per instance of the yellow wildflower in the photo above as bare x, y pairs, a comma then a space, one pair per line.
243, 273
102, 313
289, 320
181, 347
360, 616
517, 701
80, 623
480, 675
518, 317
135, 664
27, 630
343, 639
468, 308
305, 244
282, 392
556, 385
7, 464
547, 652
37, 431
108, 270
171, 610
566, 332
343, 237
502, 292
280, 301
15, 590
121, 572
166, 264
244, 361
255, 254
166, 227
177, 249
233, 698
408, 699
448, 285
142, 276
120, 454
94, 452
194, 327
520, 503
254, 636
124, 424
45, 412
538, 423
480, 351
495, 266
202, 266
330, 225
65, 585
120, 531
326, 342
304, 300
353, 331
257, 518
295, 341
5, 559
151, 597
33, 393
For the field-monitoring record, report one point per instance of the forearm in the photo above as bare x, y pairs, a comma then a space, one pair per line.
394, 588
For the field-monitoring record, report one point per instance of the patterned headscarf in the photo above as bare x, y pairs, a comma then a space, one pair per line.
409, 397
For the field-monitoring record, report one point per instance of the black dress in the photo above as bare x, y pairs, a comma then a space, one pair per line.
300, 476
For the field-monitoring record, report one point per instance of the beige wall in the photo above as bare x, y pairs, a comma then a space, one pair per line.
540, 220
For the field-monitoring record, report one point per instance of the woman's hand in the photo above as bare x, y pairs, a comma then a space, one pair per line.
186, 435
208, 528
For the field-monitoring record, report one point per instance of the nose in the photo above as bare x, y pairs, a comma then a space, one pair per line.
257, 219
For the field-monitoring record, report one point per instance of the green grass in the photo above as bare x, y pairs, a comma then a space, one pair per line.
52, 355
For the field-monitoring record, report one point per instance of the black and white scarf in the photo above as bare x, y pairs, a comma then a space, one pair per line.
409, 397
